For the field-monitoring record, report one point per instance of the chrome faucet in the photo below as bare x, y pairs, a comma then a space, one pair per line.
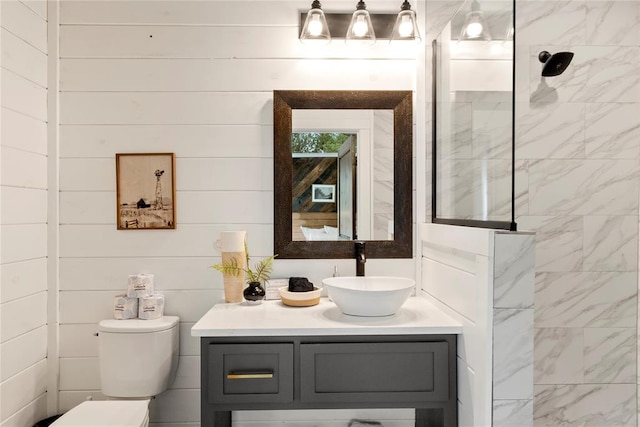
361, 259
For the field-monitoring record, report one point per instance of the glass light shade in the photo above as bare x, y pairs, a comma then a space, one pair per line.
315, 29
360, 29
406, 27
475, 27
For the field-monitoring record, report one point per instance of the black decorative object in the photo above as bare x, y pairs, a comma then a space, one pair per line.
300, 284
254, 293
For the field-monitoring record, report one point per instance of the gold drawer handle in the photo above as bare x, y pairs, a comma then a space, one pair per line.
249, 375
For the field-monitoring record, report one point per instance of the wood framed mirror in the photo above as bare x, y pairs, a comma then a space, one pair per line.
400, 242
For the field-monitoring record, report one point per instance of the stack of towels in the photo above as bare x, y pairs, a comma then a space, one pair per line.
140, 301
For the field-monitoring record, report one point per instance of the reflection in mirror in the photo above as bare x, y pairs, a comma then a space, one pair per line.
347, 154
325, 199
474, 166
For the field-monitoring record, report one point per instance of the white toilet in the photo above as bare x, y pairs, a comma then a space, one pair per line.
138, 360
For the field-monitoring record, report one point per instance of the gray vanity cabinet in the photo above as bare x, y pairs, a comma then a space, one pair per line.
305, 372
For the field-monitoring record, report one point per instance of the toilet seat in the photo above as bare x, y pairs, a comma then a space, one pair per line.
106, 413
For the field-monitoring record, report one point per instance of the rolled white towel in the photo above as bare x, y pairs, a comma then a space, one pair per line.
140, 285
151, 307
125, 307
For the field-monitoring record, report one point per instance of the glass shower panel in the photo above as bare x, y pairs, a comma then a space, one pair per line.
473, 118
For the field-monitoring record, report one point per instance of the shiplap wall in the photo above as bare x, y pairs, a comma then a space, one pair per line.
194, 78
23, 215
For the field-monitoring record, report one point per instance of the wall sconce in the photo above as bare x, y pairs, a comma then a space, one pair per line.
361, 27
475, 27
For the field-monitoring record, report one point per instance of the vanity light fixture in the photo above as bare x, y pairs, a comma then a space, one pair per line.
475, 27
315, 29
360, 27
406, 27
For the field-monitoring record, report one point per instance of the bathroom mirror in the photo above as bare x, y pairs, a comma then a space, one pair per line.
341, 182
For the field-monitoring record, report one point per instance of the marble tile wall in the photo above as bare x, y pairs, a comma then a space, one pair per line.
577, 187
579, 135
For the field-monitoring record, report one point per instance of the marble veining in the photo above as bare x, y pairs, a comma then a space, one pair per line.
612, 130
613, 23
512, 353
586, 299
558, 356
514, 279
551, 22
610, 355
512, 413
550, 131
611, 243
594, 405
583, 187
559, 241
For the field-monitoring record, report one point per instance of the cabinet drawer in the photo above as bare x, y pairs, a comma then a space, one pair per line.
250, 373
375, 372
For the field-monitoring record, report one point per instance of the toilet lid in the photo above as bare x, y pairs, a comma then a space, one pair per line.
104, 413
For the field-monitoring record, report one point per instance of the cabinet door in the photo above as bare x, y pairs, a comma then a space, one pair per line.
250, 373
374, 372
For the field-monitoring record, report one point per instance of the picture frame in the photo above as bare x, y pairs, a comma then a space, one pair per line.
145, 191
323, 193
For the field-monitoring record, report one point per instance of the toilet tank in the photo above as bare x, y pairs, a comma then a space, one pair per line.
138, 358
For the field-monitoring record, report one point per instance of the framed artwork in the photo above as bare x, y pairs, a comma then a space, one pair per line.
145, 191
323, 193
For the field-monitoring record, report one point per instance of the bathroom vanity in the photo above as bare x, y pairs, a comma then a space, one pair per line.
275, 357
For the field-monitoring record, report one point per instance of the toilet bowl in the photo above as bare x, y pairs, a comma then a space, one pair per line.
138, 360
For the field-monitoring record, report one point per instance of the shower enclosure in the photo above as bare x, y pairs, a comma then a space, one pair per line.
474, 176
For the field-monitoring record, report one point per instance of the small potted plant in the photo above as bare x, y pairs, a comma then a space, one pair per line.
254, 293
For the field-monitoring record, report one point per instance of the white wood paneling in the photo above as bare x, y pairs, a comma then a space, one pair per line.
208, 42
23, 59
23, 351
79, 340
198, 141
237, 12
176, 108
238, 75
23, 96
111, 273
23, 315
23, 132
194, 207
23, 242
18, 18
22, 389
21, 205
38, 6
186, 241
93, 306
195, 78
23, 278
28, 415
23, 169
79, 373
205, 174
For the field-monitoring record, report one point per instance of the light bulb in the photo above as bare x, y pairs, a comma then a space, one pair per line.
474, 29
406, 27
360, 27
315, 26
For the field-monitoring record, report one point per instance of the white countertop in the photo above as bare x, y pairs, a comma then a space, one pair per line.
417, 316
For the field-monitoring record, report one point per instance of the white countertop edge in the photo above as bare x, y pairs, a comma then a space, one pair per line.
417, 316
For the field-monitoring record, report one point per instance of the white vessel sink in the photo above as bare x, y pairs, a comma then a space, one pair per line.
369, 296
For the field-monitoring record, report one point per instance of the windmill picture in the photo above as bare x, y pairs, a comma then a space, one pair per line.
145, 192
